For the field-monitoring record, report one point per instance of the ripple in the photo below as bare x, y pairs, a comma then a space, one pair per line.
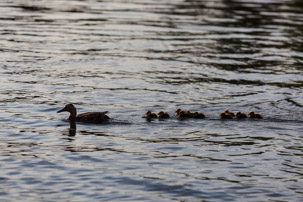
129, 57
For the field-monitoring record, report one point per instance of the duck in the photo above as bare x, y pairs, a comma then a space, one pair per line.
150, 115
163, 115
254, 115
189, 114
229, 113
182, 114
240, 115
88, 117
225, 115
178, 111
198, 115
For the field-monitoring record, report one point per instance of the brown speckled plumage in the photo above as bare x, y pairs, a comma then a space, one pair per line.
254, 115
241, 115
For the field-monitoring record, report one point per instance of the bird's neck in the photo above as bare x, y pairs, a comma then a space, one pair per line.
72, 116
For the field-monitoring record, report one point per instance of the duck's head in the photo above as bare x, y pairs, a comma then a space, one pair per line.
161, 113
68, 108
178, 111
251, 113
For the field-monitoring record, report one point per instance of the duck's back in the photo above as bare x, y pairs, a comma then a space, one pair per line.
92, 117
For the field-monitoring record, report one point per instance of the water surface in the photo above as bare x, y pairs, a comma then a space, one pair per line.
128, 57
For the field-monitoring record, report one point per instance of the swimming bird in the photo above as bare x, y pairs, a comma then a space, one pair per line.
88, 117
188, 114
225, 115
150, 115
178, 111
229, 113
254, 115
198, 115
240, 115
163, 115
181, 114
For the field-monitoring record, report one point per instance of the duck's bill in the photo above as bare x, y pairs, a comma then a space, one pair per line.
61, 110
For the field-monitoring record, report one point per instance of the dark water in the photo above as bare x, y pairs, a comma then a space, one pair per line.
127, 57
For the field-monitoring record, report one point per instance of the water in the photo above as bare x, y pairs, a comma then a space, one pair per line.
128, 57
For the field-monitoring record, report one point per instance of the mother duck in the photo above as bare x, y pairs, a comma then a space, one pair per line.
88, 117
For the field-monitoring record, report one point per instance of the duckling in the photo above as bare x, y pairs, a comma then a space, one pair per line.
254, 115
166, 115
178, 112
88, 117
150, 115
181, 114
189, 114
163, 115
198, 115
241, 115
229, 113
224, 115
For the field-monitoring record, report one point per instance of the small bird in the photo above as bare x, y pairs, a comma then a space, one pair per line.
254, 115
189, 114
182, 114
88, 117
240, 115
150, 115
198, 115
224, 115
163, 115
178, 112
229, 113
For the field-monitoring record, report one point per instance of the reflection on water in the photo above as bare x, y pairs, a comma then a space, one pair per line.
128, 57
72, 129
